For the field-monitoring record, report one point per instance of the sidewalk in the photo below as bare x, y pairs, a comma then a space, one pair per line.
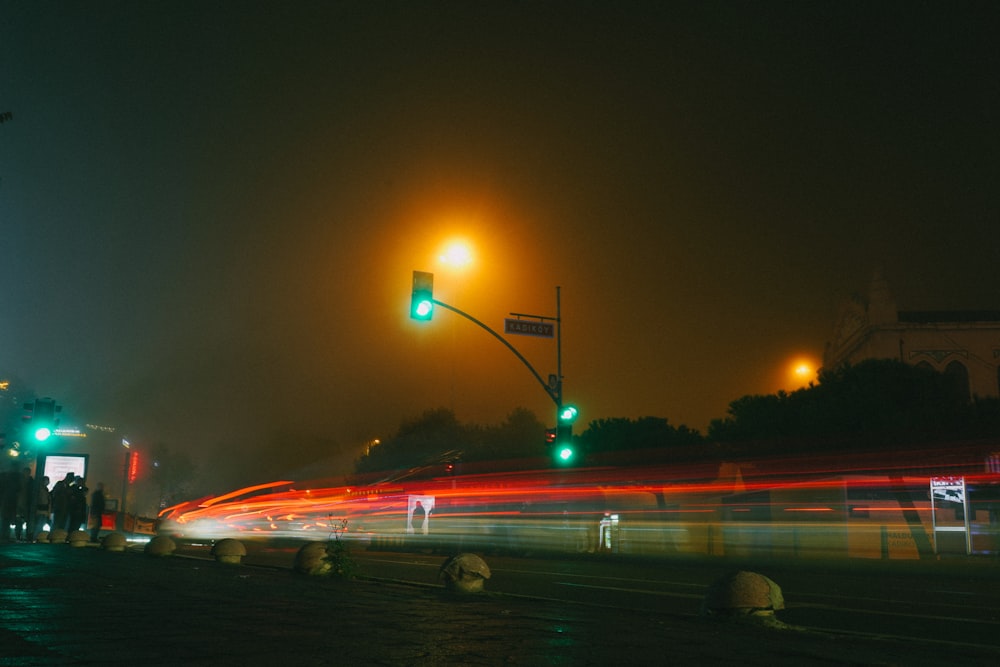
61, 605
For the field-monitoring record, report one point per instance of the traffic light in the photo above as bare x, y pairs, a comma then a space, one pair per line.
564, 423
422, 302
565, 451
568, 414
42, 418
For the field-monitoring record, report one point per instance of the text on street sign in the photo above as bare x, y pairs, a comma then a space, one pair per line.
528, 328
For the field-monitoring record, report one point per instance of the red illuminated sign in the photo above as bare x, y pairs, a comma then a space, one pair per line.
133, 466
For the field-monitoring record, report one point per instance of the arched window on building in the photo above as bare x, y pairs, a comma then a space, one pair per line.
959, 374
924, 365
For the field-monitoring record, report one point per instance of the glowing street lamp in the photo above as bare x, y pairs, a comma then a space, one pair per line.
800, 372
457, 254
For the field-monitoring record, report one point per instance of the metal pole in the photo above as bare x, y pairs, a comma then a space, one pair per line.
559, 374
128, 460
552, 392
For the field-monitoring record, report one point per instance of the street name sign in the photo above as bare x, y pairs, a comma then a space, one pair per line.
528, 328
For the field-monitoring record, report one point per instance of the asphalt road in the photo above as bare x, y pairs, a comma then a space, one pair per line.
939, 603
61, 605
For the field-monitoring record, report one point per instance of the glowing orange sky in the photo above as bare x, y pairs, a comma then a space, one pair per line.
211, 224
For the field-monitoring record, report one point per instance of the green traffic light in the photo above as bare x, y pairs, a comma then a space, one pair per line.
568, 414
565, 454
422, 300
423, 310
42, 434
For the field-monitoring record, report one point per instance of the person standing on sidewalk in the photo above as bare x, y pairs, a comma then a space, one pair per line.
96, 510
22, 518
10, 484
77, 505
60, 502
42, 507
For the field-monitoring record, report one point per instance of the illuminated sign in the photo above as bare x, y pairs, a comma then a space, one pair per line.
951, 489
56, 467
133, 466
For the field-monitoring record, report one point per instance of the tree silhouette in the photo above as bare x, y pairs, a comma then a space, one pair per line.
419, 442
621, 434
877, 400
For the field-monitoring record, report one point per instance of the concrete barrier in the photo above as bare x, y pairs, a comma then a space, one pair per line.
160, 546
743, 594
114, 542
464, 573
78, 538
229, 551
313, 559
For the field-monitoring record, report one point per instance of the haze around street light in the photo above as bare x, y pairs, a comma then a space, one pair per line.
246, 195
457, 254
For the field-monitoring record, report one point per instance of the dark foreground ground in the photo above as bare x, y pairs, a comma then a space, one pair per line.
61, 605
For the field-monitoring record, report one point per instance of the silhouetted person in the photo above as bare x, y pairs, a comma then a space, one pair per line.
60, 502
77, 505
10, 485
96, 510
43, 506
21, 518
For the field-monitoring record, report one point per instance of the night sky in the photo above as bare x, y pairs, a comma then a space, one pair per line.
210, 212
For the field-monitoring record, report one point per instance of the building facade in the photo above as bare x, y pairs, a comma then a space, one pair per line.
962, 344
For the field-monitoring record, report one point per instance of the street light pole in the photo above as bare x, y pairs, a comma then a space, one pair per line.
559, 375
422, 304
553, 392
128, 459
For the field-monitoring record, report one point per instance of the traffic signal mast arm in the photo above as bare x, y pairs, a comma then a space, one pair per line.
553, 393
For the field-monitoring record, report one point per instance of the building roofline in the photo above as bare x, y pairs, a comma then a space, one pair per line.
927, 316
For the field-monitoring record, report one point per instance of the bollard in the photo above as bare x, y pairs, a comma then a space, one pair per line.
464, 573
78, 538
313, 559
743, 594
229, 551
42, 537
159, 546
114, 542
58, 536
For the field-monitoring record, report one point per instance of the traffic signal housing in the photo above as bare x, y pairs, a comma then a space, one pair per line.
422, 300
564, 451
41, 418
565, 417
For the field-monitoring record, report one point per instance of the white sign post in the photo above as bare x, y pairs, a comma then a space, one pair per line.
950, 490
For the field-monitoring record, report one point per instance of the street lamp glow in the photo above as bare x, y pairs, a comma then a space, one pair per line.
801, 372
457, 254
